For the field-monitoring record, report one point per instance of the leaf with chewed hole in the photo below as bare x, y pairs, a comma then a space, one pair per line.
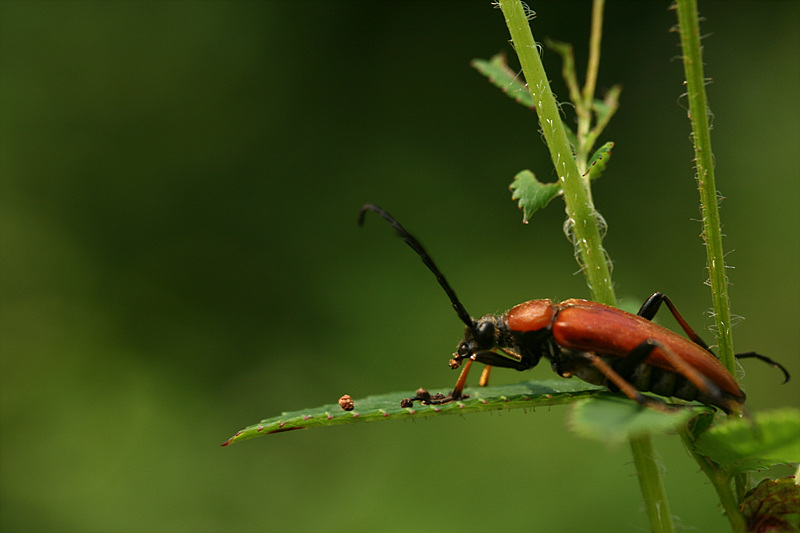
613, 418
531, 193
742, 445
387, 406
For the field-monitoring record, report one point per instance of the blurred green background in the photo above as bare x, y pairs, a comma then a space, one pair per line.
180, 258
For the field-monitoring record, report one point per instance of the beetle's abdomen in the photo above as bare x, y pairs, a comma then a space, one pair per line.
592, 327
644, 378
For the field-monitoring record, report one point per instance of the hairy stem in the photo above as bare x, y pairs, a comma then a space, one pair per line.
688, 22
721, 484
582, 217
585, 230
704, 164
651, 485
594, 51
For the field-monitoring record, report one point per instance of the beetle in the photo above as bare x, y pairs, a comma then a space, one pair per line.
594, 342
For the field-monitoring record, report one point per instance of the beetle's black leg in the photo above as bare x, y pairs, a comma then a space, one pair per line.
488, 357
487, 370
636, 357
653, 303
681, 367
754, 355
697, 379
624, 386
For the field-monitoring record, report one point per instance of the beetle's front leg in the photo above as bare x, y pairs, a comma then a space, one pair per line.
487, 370
484, 380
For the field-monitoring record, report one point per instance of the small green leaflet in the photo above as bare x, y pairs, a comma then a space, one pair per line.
532, 195
502, 77
598, 162
605, 109
527, 394
745, 445
568, 70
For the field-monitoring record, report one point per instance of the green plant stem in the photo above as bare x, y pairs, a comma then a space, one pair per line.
650, 483
688, 22
593, 64
584, 109
721, 484
585, 232
583, 219
704, 163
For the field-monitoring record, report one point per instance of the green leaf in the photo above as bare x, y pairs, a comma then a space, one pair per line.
613, 418
743, 445
501, 76
531, 193
598, 162
568, 69
773, 505
604, 109
387, 406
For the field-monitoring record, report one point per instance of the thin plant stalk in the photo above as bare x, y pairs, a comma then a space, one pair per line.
688, 22
582, 217
584, 226
704, 164
587, 95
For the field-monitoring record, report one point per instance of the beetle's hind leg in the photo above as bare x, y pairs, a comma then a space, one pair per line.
764, 358
623, 385
639, 354
651, 306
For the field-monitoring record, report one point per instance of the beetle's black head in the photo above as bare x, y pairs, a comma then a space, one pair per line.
480, 337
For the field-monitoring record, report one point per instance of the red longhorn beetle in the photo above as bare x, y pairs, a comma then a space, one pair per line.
592, 341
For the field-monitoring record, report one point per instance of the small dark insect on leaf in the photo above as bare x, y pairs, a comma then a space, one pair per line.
426, 398
346, 403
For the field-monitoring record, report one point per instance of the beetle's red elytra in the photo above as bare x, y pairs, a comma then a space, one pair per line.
594, 342
586, 326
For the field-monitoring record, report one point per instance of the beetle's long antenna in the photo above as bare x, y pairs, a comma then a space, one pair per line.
417, 247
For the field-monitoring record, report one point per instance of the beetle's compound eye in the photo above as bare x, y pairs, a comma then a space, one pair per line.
485, 332
463, 350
